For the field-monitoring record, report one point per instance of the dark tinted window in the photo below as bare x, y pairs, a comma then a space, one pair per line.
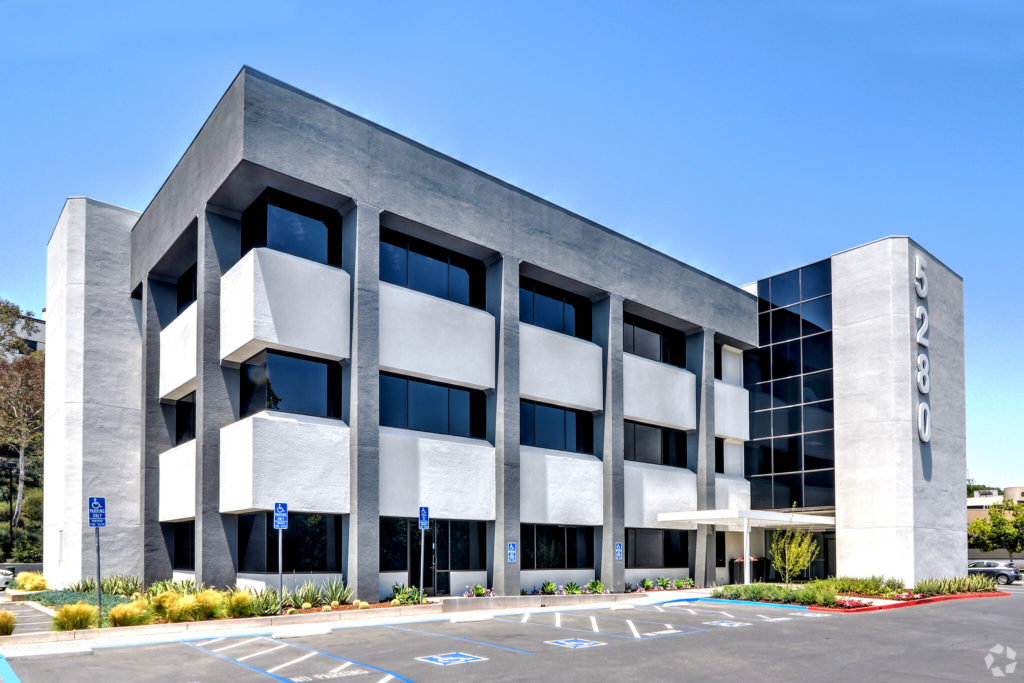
785, 288
294, 226
785, 324
393, 544
651, 340
719, 548
758, 457
787, 491
816, 279
312, 543
817, 315
410, 262
656, 549
785, 359
819, 450
185, 419
786, 454
183, 545
554, 427
817, 352
273, 380
554, 309
424, 406
786, 392
818, 386
557, 547
187, 288
819, 489
654, 445
786, 421
818, 416
719, 455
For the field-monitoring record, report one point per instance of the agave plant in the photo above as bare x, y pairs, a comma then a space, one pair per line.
310, 593
266, 602
335, 590
572, 588
548, 588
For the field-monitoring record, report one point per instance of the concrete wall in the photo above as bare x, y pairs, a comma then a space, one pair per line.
657, 393
559, 369
731, 492
533, 578
432, 338
452, 475
899, 508
92, 412
560, 487
282, 457
178, 355
178, 483
651, 489
732, 411
273, 300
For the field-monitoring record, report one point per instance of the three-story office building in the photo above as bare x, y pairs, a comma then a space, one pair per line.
318, 311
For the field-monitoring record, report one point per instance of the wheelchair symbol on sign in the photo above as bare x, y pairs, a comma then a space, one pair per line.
96, 504
280, 509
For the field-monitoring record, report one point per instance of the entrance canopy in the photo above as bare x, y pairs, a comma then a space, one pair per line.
745, 519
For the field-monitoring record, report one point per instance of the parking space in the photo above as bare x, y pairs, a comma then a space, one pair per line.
706, 640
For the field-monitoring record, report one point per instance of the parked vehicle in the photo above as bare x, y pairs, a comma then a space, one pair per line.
6, 576
1002, 571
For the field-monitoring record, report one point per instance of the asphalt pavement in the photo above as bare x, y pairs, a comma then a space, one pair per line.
959, 640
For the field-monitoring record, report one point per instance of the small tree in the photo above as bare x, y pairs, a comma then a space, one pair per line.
14, 324
792, 551
21, 412
1002, 530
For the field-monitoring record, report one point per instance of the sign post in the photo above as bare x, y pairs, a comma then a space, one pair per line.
98, 518
280, 523
424, 525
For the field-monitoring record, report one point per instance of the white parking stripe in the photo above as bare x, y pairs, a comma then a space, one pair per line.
525, 617
228, 647
340, 668
558, 619
593, 624
658, 608
210, 642
261, 652
636, 634
728, 615
294, 661
385, 679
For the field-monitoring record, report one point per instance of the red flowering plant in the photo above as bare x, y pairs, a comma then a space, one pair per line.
850, 603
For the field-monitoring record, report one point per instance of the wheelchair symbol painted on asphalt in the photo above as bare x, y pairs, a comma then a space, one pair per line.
574, 643
450, 658
726, 624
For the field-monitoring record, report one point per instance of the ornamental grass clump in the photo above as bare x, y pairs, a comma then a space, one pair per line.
162, 602
240, 603
7, 620
209, 604
183, 609
973, 583
30, 581
77, 616
134, 613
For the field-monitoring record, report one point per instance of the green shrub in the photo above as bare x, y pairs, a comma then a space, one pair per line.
83, 586
404, 596
120, 584
814, 595
647, 584
309, 592
184, 608
66, 597
7, 620
548, 588
664, 582
871, 585
973, 583
130, 614
240, 603
683, 583
162, 602
479, 591
595, 586
77, 616
572, 588
30, 581
209, 604
335, 591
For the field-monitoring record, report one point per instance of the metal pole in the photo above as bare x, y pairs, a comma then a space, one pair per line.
423, 553
746, 551
10, 512
280, 569
99, 595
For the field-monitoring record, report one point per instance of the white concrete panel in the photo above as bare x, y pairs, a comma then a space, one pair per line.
658, 393
385, 580
274, 300
257, 581
559, 487
452, 475
178, 355
559, 369
734, 458
531, 579
460, 581
433, 338
178, 483
732, 411
299, 459
731, 492
732, 366
182, 575
635, 575
651, 489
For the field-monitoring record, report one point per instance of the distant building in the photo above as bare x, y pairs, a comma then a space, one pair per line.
36, 339
977, 508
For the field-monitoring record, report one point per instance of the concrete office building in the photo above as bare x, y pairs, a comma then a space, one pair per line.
318, 311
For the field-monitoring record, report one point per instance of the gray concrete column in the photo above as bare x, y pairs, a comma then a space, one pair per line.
216, 534
157, 419
610, 444
700, 360
361, 258
503, 422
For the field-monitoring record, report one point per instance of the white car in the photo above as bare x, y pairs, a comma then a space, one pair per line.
6, 576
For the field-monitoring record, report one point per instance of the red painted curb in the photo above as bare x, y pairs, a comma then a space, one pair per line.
910, 603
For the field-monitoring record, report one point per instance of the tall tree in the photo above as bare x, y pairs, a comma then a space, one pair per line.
14, 324
21, 411
1002, 530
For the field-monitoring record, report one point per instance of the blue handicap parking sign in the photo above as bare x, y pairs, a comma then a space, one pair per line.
618, 550
512, 552
450, 658
424, 518
280, 515
575, 643
97, 511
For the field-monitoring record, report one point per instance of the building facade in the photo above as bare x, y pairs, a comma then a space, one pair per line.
318, 311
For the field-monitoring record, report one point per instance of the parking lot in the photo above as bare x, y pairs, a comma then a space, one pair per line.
710, 641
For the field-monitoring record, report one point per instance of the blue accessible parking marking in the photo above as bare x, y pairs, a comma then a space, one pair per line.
574, 643
726, 624
450, 658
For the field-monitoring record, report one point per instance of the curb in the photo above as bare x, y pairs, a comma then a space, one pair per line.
911, 603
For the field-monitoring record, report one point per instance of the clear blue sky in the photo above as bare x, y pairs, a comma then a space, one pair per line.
744, 138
